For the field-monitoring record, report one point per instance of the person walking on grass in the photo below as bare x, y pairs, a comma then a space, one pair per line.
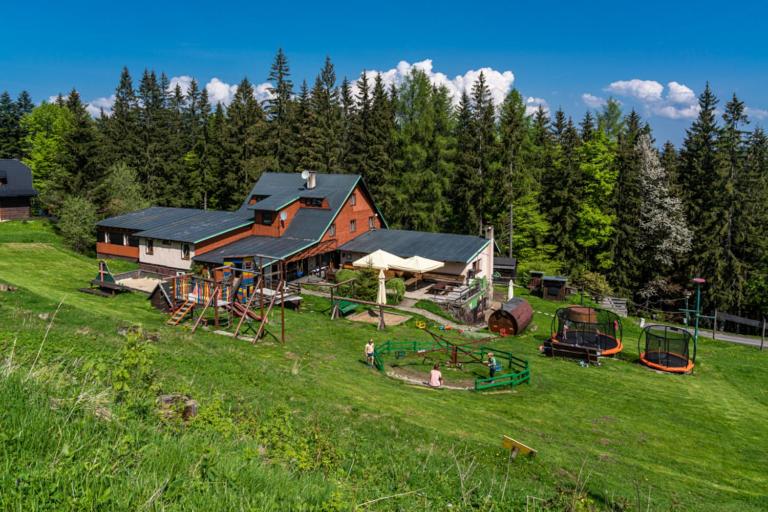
370, 352
491, 364
435, 376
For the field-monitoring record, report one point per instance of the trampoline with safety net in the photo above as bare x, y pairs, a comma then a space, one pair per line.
585, 327
666, 348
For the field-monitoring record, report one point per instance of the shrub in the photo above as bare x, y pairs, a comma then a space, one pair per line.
367, 284
345, 275
594, 283
77, 223
397, 285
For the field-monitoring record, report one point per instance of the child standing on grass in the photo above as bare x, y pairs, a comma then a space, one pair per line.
370, 350
435, 376
491, 364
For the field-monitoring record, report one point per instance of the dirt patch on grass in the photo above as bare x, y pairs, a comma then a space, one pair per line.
369, 317
421, 378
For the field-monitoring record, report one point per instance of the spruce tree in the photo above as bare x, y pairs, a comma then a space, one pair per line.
466, 191
610, 120
700, 186
304, 122
518, 192
381, 175
326, 130
587, 126
627, 203
485, 150
347, 104
279, 109
361, 129
122, 134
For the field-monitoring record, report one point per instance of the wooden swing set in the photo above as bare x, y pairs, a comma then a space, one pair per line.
248, 295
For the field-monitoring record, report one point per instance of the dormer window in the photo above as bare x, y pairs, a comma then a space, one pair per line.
312, 202
267, 218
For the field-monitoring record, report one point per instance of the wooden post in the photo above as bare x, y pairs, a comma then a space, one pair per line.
282, 303
714, 325
762, 336
261, 286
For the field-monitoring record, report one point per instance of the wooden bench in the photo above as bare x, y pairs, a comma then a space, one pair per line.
346, 307
587, 354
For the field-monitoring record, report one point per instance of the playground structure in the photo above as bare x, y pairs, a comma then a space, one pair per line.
107, 284
237, 296
584, 333
666, 348
511, 371
511, 318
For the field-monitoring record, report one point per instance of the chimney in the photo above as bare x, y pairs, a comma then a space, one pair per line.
489, 232
311, 180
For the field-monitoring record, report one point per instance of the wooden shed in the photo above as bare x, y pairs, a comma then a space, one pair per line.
553, 287
512, 318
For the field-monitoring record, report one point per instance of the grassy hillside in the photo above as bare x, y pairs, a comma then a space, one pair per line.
307, 426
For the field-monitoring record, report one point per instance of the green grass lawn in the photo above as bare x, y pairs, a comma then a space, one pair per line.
307, 426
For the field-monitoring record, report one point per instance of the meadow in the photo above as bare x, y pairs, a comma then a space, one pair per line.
306, 425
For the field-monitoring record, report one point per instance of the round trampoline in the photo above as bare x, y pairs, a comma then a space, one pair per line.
666, 348
581, 326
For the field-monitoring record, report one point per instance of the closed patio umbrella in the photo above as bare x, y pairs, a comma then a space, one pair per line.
381, 297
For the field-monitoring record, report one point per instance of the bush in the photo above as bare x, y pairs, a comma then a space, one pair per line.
594, 283
367, 284
397, 285
345, 275
77, 223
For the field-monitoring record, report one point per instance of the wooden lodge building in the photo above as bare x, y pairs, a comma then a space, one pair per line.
16, 190
310, 222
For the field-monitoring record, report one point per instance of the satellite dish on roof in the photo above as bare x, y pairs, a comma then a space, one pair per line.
304, 175
283, 216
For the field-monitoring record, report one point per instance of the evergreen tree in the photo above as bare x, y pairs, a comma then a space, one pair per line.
466, 191
610, 120
587, 126
80, 170
11, 129
347, 104
361, 129
122, 139
302, 131
279, 113
750, 221
325, 134
700, 185
246, 136
518, 192
627, 203
485, 150
381, 177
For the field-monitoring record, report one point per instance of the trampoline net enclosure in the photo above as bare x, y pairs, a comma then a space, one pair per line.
587, 327
666, 346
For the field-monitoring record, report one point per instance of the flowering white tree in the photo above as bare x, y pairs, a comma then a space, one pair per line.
664, 233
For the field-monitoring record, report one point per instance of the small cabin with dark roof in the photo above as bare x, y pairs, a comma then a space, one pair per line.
16, 190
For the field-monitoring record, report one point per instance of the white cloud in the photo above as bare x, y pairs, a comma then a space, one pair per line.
182, 81
644, 90
757, 113
95, 107
673, 112
220, 92
593, 101
499, 82
679, 93
532, 105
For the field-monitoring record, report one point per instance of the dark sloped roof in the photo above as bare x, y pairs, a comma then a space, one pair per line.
279, 189
148, 218
198, 226
179, 224
18, 177
253, 245
435, 246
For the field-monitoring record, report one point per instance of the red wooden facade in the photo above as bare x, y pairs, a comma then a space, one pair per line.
14, 208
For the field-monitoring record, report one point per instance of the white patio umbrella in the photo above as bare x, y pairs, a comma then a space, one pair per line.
419, 265
511, 290
381, 297
379, 259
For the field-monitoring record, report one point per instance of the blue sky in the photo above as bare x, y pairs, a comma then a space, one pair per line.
557, 52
